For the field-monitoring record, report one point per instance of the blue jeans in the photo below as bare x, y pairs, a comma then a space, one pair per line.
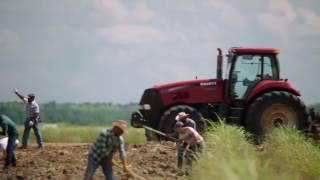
92, 167
11, 158
26, 133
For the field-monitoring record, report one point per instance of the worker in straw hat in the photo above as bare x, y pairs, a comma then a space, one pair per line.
194, 142
102, 151
183, 118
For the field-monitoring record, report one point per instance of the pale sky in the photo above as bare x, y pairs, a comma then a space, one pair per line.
111, 50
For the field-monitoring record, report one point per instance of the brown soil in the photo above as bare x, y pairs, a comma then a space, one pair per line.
68, 161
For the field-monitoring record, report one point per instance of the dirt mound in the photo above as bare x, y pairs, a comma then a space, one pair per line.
68, 161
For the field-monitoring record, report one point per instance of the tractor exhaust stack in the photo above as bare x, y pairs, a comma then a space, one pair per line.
219, 64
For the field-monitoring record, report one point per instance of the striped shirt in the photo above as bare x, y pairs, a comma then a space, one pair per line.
106, 145
32, 109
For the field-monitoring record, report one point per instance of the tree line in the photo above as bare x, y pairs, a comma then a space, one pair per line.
72, 113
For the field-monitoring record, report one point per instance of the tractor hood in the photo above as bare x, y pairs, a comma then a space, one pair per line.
182, 84
192, 91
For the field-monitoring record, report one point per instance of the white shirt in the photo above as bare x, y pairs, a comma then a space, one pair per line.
4, 143
31, 108
190, 136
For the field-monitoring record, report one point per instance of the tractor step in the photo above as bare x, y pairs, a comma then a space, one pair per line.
236, 112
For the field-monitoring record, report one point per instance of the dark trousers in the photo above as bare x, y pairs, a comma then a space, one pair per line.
181, 149
11, 158
26, 133
92, 167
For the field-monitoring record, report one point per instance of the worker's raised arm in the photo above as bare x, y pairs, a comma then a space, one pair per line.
19, 95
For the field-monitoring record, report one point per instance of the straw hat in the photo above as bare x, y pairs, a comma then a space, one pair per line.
120, 124
182, 115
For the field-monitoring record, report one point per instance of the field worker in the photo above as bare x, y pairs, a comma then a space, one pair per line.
194, 141
187, 122
32, 119
102, 151
9, 128
3, 146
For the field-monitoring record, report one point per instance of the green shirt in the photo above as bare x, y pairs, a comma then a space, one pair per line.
8, 126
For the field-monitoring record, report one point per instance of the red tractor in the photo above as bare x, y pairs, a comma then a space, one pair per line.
252, 95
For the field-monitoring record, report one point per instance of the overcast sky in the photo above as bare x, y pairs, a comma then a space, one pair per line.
111, 50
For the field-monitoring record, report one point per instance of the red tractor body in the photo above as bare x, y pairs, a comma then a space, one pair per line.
191, 92
251, 94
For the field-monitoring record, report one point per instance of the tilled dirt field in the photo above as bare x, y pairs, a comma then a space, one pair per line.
68, 161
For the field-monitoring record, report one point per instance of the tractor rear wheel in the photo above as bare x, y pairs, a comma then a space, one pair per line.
274, 109
168, 121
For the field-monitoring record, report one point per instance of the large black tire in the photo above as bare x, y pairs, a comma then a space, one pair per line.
273, 109
168, 121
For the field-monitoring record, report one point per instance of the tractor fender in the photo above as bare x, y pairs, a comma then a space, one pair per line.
270, 85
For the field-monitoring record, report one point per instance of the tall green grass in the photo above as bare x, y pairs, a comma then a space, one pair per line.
288, 150
229, 155
62, 133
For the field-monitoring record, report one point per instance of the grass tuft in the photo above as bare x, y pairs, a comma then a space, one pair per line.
230, 155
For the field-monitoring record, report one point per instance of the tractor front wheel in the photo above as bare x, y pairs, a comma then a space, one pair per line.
274, 109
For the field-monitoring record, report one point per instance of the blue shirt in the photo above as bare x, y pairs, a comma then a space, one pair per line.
189, 123
106, 145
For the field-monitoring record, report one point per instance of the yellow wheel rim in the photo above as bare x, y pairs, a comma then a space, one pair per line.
278, 115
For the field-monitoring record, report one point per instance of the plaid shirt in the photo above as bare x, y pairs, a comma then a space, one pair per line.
106, 145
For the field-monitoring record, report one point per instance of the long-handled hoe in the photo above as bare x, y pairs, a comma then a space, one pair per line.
130, 172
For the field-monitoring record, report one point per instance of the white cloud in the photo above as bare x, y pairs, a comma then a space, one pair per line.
9, 42
283, 19
228, 14
280, 14
131, 34
115, 7
311, 22
121, 12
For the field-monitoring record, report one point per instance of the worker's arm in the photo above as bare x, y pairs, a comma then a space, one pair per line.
122, 153
19, 95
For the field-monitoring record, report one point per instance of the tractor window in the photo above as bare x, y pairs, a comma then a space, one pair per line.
269, 71
247, 70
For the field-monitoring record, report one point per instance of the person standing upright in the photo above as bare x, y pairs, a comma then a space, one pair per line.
9, 128
32, 119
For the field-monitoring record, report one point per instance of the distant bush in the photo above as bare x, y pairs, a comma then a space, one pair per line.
72, 113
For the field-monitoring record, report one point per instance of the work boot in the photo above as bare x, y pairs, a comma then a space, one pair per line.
40, 146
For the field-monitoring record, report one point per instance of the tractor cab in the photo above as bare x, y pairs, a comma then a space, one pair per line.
246, 67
